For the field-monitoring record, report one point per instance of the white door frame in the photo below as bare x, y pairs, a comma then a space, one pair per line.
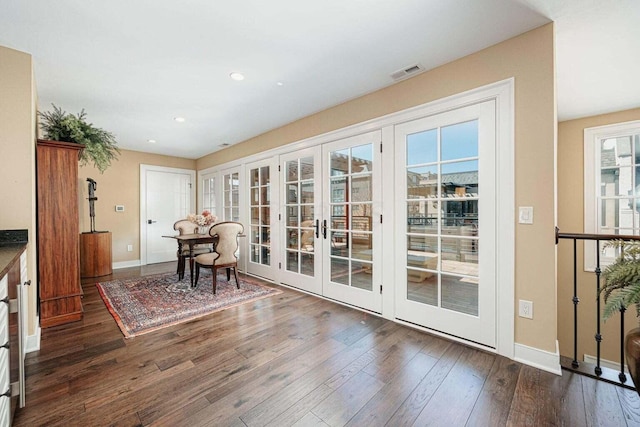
143, 201
503, 92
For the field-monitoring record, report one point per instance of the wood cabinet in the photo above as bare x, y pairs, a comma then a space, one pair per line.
58, 234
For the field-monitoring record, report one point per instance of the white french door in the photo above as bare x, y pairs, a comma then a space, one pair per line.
446, 222
209, 194
351, 228
263, 224
230, 195
301, 215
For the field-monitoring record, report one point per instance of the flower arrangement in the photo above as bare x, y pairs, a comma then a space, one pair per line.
203, 219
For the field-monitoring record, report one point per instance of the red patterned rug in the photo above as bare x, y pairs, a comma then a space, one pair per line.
149, 303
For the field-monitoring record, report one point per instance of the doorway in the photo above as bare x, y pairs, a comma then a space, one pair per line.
446, 222
166, 195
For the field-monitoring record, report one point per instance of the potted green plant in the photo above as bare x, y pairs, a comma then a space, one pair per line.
621, 289
100, 146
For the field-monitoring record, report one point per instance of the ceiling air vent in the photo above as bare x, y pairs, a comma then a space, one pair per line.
407, 72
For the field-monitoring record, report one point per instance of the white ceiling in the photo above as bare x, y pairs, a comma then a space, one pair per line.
135, 65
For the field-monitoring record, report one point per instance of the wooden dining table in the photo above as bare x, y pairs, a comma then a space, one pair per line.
192, 240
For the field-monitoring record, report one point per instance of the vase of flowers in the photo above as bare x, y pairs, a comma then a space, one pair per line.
203, 220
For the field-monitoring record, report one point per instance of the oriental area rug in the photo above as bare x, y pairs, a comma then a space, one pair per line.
146, 304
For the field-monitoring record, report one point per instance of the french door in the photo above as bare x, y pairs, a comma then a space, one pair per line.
230, 195
301, 216
446, 222
262, 221
351, 221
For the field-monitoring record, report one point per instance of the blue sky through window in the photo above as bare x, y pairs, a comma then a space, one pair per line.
458, 141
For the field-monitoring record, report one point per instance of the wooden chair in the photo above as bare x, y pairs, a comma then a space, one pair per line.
224, 251
184, 226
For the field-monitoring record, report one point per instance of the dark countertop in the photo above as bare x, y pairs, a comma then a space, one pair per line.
10, 254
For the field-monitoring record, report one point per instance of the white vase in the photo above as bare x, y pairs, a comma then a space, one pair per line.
203, 229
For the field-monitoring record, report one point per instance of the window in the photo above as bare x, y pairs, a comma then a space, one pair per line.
611, 184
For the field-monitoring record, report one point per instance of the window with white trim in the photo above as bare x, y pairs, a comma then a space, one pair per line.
611, 184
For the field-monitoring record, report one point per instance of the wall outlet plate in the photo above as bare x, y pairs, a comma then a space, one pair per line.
525, 214
525, 309
119, 208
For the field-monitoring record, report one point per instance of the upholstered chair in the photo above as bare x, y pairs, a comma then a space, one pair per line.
224, 251
184, 226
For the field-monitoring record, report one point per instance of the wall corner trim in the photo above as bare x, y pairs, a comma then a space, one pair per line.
538, 358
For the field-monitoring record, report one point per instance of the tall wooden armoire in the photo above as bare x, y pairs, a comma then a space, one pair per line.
58, 234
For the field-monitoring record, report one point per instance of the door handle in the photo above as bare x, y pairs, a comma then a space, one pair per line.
324, 228
317, 228
150, 221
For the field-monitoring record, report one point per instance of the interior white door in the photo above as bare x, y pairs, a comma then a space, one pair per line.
263, 220
351, 221
300, 218
446, 222
168, 196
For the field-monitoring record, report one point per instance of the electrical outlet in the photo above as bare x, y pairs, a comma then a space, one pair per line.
525, 309
129, 248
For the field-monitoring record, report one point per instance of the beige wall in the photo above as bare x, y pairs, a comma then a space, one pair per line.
571, 220
120, 185
528, 58
17, 145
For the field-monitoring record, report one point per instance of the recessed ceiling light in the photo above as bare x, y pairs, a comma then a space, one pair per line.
280, 84
151, 141
236, 76
179, 119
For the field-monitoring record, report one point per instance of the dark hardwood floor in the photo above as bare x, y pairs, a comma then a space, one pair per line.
294, 359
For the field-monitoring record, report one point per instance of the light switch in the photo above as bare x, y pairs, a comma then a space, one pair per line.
525, 215
119, 208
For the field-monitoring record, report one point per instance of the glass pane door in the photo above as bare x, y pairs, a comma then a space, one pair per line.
230, 196
445, 166
300, 223
261, 221
352, 196
209, 195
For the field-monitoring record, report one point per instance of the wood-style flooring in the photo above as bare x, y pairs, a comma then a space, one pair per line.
294, 359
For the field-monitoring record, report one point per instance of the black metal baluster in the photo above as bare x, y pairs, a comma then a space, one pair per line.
598, 336
621, 376
576, 300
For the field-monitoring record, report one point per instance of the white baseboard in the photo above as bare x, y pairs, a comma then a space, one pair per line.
537, 358
126, 264
605, 363
33, 341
